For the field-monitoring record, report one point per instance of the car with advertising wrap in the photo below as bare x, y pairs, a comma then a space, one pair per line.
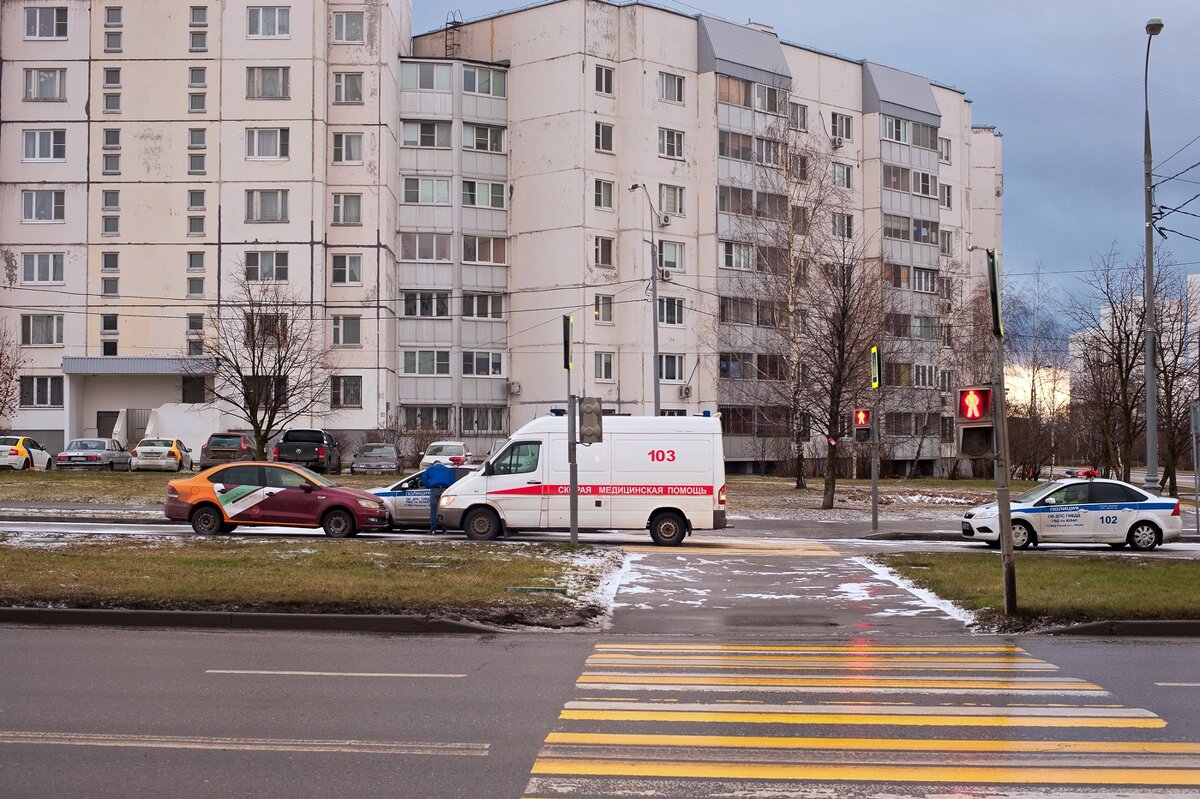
408, 499
24, 452
94, 453
1083, 509
161, 454
219, 499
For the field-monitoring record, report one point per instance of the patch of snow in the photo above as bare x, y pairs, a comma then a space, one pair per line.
924, 595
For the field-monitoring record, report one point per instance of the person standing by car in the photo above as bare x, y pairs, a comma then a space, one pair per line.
437, 478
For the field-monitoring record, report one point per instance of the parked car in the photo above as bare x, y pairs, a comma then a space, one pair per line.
227, 447
376, 459
24, 452
450, 453
162, 454
94, 453
315, 449
408, 500
219, 499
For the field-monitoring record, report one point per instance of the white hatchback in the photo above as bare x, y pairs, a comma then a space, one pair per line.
448, 453
1080, 511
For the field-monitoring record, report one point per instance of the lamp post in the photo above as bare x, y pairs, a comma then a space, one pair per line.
653, 298
1153, 28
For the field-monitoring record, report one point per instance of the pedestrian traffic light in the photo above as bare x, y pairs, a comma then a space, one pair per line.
862, 424
973, 422
591, 420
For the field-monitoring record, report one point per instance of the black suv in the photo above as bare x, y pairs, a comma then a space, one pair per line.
315, 449
227, 447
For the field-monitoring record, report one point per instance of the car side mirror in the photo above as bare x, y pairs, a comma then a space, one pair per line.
1051, 501
487, 468
307, 488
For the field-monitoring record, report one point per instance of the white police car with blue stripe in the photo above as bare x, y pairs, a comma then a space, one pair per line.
1080, 510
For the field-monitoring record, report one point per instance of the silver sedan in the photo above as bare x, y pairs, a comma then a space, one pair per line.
94, 453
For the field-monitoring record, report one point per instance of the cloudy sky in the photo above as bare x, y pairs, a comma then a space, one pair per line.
1061, 79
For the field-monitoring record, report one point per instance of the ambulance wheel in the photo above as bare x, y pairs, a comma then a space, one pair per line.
206, 520
668, 529
1143, 536
481, 524
1022, 535
338, 523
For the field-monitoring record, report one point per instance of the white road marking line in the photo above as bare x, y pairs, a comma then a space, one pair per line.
1179, 684
954, 710
244, 744
327, 673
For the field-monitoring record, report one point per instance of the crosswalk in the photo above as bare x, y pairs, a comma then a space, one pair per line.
795, 720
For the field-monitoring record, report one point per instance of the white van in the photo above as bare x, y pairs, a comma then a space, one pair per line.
663, 473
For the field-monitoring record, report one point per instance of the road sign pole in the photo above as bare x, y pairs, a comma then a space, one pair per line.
1000, 428
573, 466
1196, 462
876, 381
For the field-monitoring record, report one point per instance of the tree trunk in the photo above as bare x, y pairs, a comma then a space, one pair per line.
801, 480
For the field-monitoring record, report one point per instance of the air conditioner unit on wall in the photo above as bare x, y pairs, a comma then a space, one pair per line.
838, 141
664, 219
664, 274
512, 387
685, 392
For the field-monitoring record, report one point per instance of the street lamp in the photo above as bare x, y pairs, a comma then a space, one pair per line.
653, 298
1153, 28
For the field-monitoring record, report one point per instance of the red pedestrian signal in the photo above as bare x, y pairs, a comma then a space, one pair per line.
862, 417
973, 423
974, 404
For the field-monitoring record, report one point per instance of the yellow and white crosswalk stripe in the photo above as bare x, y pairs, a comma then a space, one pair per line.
725, 547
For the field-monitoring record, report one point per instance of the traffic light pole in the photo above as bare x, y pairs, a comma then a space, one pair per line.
571, 462
1000, 428
875, 464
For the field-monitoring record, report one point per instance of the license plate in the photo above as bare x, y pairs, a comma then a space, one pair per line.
79, 457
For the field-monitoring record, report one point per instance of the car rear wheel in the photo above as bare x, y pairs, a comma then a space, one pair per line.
1143, 536
338, 523
1022, 535
112, 466
481, 524
668, 529
207, 520
25, 464
50, 464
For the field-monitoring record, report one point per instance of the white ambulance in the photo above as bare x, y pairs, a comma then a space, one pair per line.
665, 474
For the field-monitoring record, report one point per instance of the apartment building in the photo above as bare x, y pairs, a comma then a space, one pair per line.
155, 156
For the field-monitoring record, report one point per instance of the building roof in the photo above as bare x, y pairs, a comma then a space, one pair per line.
136, 366
891, 91
741, 52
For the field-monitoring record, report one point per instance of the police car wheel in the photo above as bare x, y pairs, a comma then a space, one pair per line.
668, 529
481, 524
1022, 535
338, 523
1143, 536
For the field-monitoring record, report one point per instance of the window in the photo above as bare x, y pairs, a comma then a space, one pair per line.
197, 103
924, 184
425, 362
267, 22
798, 116
924, 136
843, 226
348, 27
198, 17
670, 310
485, 138
481, 80
197, 77
112, 77
110, 286
196, 164
112, 42
112, 103
670, 255
110, 164
485, 250
670, 143
45, 145
944, 150
841, 176
266, 205
946, 242
347, 87
893, 129
670, 367
108, 348
268, 83
347, 209
772, 259
735, 255
768, 152
109, 262
482, 195
925, 231
427, 77
109, 323
927, 328
604, 137
347, 331
198, 41
347, 148
195, 226
519, 458
346, 269
603, 255
195, 323
46, 85
734, 200
733, 91
41, 330
424, 247
770, 367
46, 23
430, 304
604, 80
425, 417
670, 87
195, 201
604, 366
602, 309
924, 280
426, 134
896, 178
604, 194
41, 205
670, 199
896, 227
923, 376
771, 206
112, 139
842, 126
427, 191
736, 311
735, 145
266, 265
195, 287
42, 267
482, 364
799, 220
195, 261
110, 225
482, 306
945, 196
41, 392
267, 143
898, 325
767, 98
345, 391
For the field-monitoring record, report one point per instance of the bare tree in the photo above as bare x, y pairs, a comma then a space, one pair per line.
265, 359
11, 361
1176, 340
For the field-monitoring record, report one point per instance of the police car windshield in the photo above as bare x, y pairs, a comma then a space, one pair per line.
1038, 491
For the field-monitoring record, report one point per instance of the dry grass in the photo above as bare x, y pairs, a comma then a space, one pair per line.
452, 579
765, 493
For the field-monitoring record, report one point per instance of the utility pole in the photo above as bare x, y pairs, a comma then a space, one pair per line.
1000, 426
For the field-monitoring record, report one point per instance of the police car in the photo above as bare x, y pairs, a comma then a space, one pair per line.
1082, 509
408, 501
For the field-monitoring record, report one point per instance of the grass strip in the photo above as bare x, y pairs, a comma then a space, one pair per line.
1059, 590
470, 581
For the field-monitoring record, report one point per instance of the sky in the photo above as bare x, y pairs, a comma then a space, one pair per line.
1060, 79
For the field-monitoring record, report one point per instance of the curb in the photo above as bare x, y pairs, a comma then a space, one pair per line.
7, 517
228, 620
1150, 628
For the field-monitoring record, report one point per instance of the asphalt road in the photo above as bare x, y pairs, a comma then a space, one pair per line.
751, 665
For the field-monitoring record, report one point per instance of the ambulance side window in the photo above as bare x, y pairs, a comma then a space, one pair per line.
520, 458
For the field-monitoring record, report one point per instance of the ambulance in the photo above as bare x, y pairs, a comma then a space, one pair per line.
664, 474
